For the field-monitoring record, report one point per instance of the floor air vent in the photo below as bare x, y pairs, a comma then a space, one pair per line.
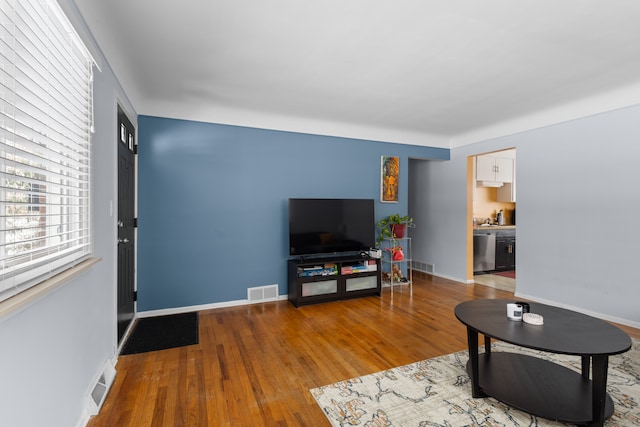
96, 398
99, 391
263, 293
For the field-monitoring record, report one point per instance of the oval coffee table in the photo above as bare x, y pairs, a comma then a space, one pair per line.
537, 386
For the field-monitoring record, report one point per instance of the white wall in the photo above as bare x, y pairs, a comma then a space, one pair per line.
578, 213
52, 351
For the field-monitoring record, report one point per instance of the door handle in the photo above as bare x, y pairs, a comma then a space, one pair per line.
125, 240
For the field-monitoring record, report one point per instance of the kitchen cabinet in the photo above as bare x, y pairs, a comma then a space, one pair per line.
507, 193
494, 169
505, 250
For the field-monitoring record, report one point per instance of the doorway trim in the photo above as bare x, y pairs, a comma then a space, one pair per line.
126, 223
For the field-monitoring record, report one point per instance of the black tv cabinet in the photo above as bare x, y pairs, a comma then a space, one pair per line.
315, 280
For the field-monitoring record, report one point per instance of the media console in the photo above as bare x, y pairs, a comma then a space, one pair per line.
314, 280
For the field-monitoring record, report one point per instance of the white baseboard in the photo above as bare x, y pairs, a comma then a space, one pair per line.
98, 392
188, 309
455, 279
580, 310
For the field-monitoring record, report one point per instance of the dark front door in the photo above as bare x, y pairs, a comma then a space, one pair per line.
126, 222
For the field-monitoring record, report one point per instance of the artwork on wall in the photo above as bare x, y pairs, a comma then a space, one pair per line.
389, 174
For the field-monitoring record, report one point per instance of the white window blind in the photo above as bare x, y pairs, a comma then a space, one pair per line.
45, 129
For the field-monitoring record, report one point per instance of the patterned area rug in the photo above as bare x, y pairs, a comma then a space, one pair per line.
437, 392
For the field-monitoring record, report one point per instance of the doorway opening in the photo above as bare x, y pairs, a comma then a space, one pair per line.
492, 213
126, 223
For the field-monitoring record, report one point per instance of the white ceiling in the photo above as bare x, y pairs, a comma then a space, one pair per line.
438, 73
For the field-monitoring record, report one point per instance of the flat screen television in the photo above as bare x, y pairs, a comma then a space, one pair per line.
330, 226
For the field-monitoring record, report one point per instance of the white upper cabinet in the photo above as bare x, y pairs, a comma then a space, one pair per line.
507, 193
504, 169
494, 169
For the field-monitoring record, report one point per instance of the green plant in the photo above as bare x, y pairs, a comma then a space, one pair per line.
385, 226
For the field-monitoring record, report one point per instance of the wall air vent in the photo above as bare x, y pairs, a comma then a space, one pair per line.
423, 267
262, 293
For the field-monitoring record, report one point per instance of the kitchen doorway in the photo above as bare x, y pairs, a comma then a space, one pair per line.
492, 213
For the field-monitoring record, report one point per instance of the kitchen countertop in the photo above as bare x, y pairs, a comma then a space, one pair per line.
494, 227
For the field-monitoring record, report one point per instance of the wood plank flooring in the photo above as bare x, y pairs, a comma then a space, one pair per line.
255, 364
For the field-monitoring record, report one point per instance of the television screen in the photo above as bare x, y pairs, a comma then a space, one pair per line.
327, 226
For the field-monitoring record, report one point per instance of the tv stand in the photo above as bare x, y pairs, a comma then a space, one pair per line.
330, 278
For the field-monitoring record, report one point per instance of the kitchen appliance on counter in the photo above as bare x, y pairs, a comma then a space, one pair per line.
484, 251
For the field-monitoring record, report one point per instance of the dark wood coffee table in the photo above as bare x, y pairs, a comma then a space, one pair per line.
537, 386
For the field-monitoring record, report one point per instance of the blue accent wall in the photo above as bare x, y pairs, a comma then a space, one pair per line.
212, 202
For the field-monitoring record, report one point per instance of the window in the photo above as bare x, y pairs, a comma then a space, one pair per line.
45, 128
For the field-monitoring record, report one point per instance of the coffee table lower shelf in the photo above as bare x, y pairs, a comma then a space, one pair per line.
538, 387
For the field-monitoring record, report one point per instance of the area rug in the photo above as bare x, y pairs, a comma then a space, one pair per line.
162, 332
437, 392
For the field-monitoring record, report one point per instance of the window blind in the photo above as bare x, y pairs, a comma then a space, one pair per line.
45, 132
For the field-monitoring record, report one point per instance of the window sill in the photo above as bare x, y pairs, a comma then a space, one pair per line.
25, 298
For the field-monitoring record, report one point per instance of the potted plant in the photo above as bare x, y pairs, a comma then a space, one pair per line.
393, 227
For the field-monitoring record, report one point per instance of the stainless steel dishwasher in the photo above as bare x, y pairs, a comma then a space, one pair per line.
484, 251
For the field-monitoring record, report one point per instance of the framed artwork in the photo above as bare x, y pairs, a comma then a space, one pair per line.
389, 173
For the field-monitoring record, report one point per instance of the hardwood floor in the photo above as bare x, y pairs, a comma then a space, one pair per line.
255, 364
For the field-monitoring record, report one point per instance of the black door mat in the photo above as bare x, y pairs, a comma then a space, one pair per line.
162, 332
